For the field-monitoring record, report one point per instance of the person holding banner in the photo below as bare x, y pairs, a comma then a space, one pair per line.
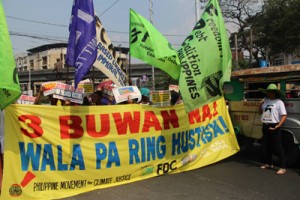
69, 103
95, 98
52, 101
38, 96
129, 101
175, 98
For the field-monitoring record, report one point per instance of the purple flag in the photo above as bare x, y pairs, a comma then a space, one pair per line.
82, 45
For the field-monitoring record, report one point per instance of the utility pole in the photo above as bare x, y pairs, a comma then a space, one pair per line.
251, 46
236, 51
29, 82
22, 59
200, 6
151, 21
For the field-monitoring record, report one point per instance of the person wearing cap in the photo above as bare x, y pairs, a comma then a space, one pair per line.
273, 116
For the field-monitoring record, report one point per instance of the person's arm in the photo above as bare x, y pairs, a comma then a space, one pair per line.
38, 97
283, 118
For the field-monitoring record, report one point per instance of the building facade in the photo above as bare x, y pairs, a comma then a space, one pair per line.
37, 67
41, 58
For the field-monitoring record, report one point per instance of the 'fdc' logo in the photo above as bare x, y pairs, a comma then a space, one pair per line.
164, 168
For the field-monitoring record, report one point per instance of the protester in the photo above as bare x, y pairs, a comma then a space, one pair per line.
95, 98
52, 101
86, 101
131, 100
273, 116
175, 98
57, 68
145, 93
39, 96
107, 100
107, 97
144, 80
69, 103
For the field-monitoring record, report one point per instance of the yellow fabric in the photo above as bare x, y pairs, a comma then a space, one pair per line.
60, 151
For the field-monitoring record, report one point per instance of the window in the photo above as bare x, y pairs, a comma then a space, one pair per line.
44, 60
31, 64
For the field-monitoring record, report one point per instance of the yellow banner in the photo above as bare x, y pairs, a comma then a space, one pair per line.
60, 151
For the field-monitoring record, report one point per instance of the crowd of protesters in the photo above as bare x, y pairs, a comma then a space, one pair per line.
101, 97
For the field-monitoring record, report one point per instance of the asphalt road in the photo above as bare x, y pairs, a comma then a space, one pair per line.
237, 177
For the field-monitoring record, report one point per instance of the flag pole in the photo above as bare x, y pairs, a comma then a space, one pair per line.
129, 68
197, 10
151, 21
67, 74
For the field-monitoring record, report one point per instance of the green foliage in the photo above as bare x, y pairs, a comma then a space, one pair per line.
275, 26
281, 25
277, 29
243, 64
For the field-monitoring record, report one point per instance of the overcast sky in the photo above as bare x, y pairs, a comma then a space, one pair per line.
36, 22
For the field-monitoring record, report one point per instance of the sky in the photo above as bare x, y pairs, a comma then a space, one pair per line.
32, 23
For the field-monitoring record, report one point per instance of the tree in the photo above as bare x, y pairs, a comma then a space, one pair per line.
237, 14
274, 25
280, 23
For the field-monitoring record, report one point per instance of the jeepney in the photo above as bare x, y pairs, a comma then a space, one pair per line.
243, 100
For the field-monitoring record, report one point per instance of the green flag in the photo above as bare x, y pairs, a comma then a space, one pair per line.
149, 45
205, 58
9, 80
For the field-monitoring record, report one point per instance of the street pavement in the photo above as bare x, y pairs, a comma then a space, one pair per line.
237, 177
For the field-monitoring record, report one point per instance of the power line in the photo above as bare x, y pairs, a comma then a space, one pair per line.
50, 38
54, 38
65, 26
109, 8
39, 37
34, 21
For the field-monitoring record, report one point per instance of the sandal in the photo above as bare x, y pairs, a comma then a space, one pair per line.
266, 166
281, 171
